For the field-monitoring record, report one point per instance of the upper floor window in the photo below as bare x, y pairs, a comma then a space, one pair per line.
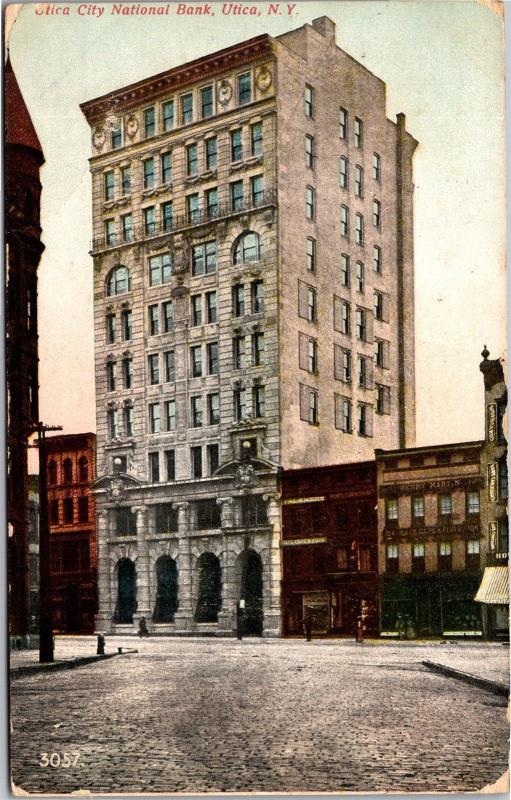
127, 324
359, 271
359, 229
165, 167
68, 470
309, 405
444, 504
211, 153
358, 132
244, 89
118, 281
236, 145
187, 108
110, 233
311, 254
127, 227
256, 139
247, 248
168, 115
376, 167
345, 269
309, 100
149, 220
111, 330
343, 172
257, 297
473, 503
149, 122
391, 509
109, 185
126, 179
52, 471
309, 151
206, 99
148, 165
345, 221
309, 203
204, 258
116, 136
343, 123
376, 213
237, 198
191, 160
238, 300
377, 258
256, 190
359, 181
160, 269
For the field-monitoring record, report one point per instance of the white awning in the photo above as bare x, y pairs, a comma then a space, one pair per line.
494, 588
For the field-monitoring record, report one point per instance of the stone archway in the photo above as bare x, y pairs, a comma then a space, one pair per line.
166, 603
209, 599
126, 604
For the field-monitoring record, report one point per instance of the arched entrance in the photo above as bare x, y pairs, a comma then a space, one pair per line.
126, 592
209, 599
166, 590
251, 590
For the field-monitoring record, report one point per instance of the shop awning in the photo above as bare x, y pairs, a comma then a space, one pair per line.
494, 588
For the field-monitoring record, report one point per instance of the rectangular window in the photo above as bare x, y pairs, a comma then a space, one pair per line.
342, 364
149, 122
148, 168
211, 307
126, 180
344, 172
212, 203
345, 270
110, 328
165, 167
364, 419
256, 139
206, 101
244, 89
110, 231
503, 480
344, 414
345, 222
258, 401
311, 304
377, 258
191, 160
167, 216
154, 418
376, 167
358, 132
170, 415
192, 208
204, 258
170, 366
238, 300
382, 353
154, 467
116, 136
68, 510
391, 509
154, 368
127, 228
213, 409
256, 190
127, 371
213, 458
472, 556
236, 145
309, 100
170, 464
444, 556
211, 154
309, 151
160, 269
257, 296
359, 274
237, 203
359, 229
196, 361
149, 220
376, 213
238, 352
345, 317
309, 203
108, 178
343, 123
128, 420
168, 115
196, 411
359, 181
168, 316
382, 399
196, 459
154, 320
187, 109
378, 306
444, 505
257, 349
309, 405
212, 355
239, 406
392, 558
110, 376
418, 558
113, 423
311, 254
418, 510
196, 305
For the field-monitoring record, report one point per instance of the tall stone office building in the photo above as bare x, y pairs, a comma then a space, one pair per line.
253, 292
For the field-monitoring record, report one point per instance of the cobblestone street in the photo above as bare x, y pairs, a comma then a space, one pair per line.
188, 715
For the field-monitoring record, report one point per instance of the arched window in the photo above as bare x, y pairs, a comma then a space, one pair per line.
166, 591
247, 248
209, 601
52, 471
83, 469
126, 592
68, 470
118, 281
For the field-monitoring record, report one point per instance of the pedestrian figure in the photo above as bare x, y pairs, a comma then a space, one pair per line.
400, 626
142, 627
360, 629
307, 625
240, 621
409, 628
101, 645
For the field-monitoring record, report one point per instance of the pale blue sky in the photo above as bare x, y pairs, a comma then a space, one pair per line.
443, 66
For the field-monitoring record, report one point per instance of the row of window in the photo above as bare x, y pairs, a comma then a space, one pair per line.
358, 126
343, 409
444, 507
189, 107
81, 470
311, 261
65, 513
308, 309
444, 556
310, 213
162, 467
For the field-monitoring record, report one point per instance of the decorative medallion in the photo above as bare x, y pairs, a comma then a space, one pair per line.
131, 127
245, 477
224, 92
99, 138
263, 79
116, 490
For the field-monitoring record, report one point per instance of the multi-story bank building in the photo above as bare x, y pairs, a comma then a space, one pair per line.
253, 297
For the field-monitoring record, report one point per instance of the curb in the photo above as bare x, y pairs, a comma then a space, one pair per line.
483, 683
57, 666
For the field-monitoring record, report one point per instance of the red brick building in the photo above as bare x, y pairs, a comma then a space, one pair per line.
329, 549
71, 470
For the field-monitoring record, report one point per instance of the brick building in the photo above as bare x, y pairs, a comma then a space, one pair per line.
23, 161
330, 549
71, 512
253, 297
431, 541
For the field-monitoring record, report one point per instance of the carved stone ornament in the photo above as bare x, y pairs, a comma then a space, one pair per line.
131, 127
263, 79
245, 477
116, 490
99, 138
224, 92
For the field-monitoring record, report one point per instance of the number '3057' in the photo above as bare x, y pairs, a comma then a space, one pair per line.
57, 760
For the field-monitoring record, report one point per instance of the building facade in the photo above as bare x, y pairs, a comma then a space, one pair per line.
33, 555
431, 542
23, 161
72, 523
330, 550
253, 296
493, 593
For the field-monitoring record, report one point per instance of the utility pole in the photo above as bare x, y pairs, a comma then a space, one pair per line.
45, 609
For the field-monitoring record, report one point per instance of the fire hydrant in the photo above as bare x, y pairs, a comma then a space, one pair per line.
101, 645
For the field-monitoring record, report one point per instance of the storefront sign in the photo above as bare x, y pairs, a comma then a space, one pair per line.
312, 540
492, 536
491, 421
431, 487
293, 501
492, 483
433, 531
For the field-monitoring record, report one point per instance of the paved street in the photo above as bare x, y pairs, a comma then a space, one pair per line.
204, 715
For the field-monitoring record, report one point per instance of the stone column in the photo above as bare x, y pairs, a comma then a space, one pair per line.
227, 615
142, 567
106, 602
271, 587
184, 614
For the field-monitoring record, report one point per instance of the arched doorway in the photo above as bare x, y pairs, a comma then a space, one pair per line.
166, 590
209, 599
251, 591
126, 592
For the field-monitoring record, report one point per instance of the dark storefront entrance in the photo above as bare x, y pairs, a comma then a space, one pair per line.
334, 611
